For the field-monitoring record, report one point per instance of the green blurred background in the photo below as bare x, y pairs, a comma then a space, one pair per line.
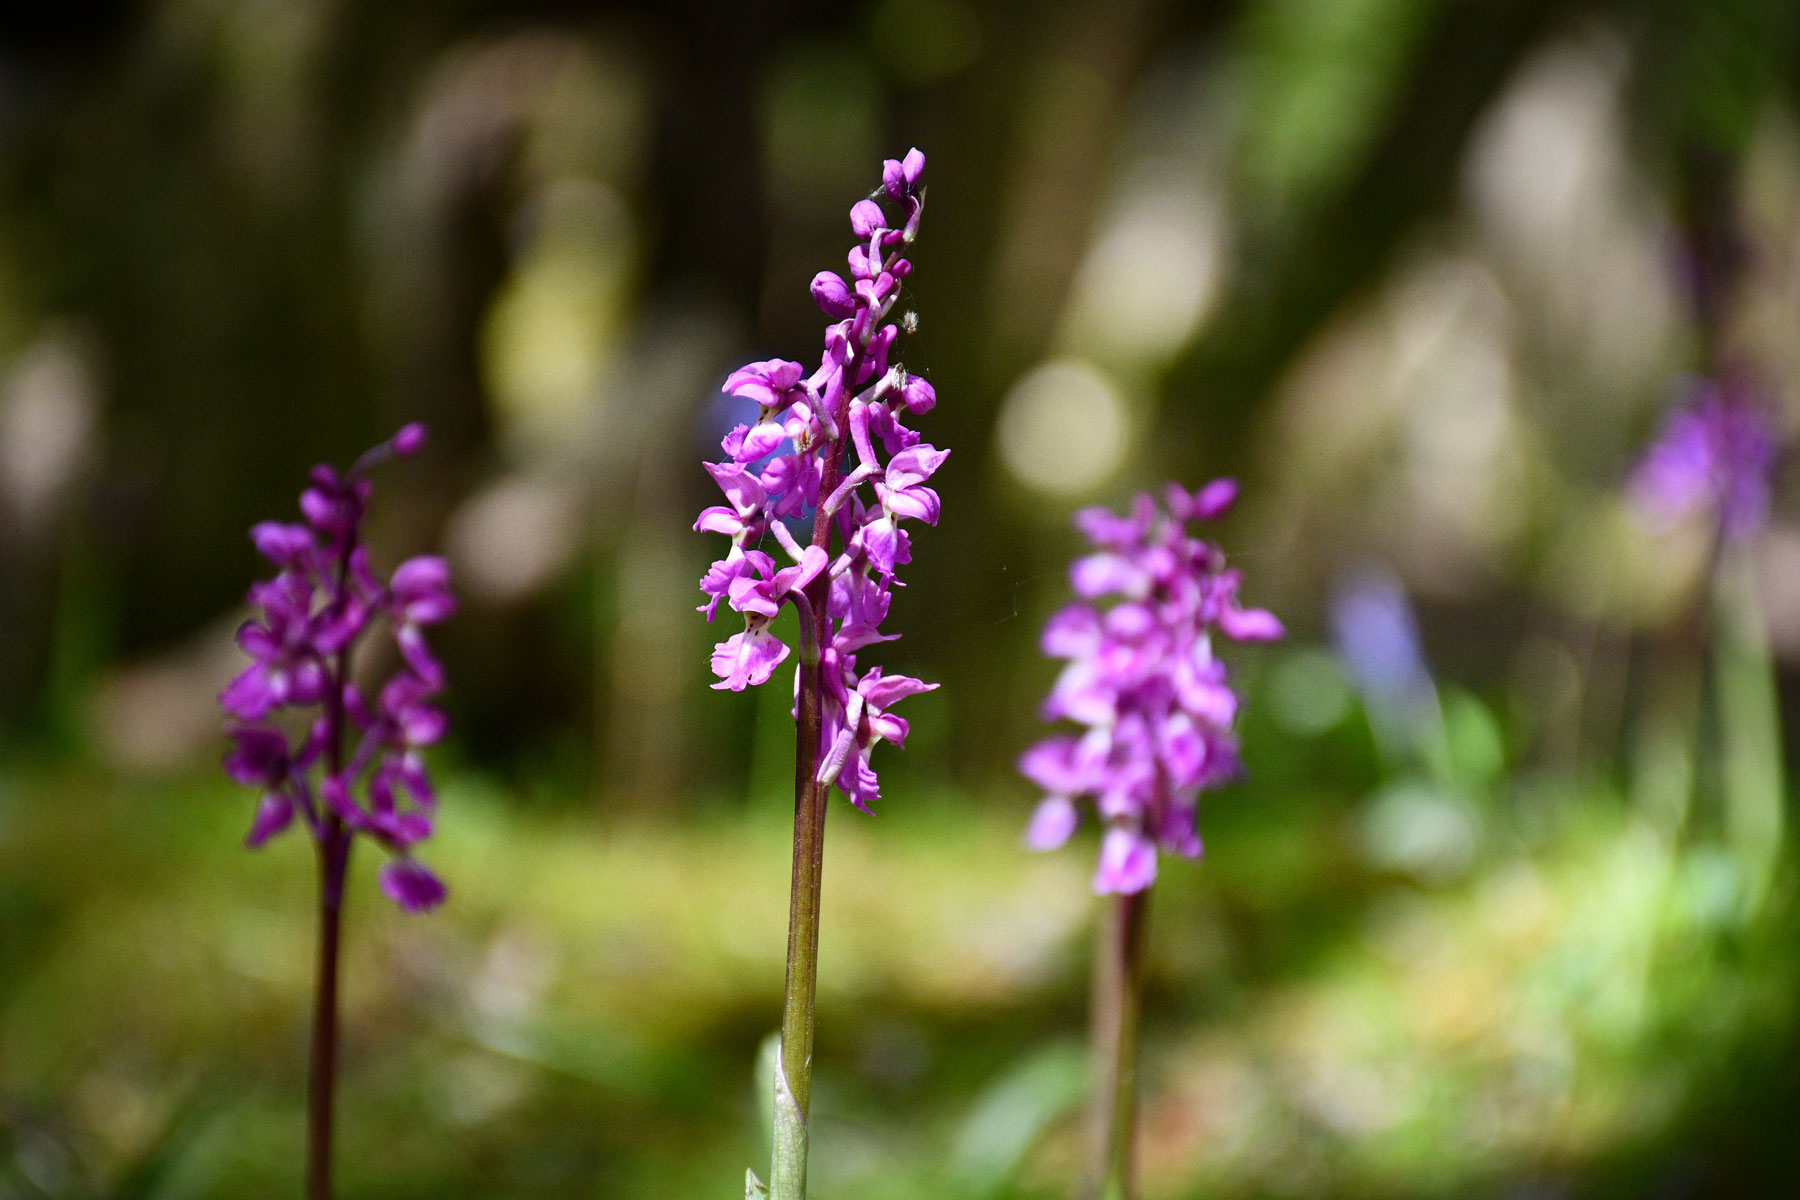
1506, 907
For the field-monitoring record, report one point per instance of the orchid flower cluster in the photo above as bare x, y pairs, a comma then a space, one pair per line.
817, 440
1717, 455
311, 616
1143, 678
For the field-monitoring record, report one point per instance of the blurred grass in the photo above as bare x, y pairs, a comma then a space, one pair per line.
583, 1018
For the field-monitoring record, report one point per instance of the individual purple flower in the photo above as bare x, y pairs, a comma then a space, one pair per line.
1142, 679
778, 464
1716, 454
410, 886
311, 616
856, 709
748, 658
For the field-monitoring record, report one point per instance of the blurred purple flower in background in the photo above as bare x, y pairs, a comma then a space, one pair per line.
371, 778
1143, 678
1715, 454
310, 618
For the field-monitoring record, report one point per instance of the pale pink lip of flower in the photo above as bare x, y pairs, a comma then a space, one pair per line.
776, 463
322, 600
1143, 681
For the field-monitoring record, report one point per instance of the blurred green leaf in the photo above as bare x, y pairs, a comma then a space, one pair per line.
1013, 1112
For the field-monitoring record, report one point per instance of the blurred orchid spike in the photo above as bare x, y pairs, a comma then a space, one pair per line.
1716, 454
310, 617
1156, 712
1143, 680
357, 769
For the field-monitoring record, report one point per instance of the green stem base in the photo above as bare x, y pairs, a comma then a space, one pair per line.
1118, 1002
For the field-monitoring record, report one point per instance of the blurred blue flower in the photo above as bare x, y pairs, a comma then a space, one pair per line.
1377, 639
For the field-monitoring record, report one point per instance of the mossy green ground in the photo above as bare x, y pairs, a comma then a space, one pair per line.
582, 1019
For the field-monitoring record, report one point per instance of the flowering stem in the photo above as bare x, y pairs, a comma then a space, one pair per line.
793, 1069
334, 862
842, 599
310, 616
334, 859
1118, 1001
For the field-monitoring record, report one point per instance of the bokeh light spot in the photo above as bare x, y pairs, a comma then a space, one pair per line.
1062, 427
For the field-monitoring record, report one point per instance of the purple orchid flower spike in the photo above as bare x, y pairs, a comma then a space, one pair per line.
1142, 677
830, 445
1156, 712
357, 770
1716, 454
